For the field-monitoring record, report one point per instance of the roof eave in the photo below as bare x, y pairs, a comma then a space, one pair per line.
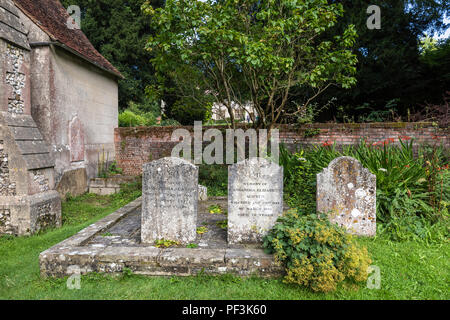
76, 53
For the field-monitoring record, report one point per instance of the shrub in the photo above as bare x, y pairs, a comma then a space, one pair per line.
316, 253
299, 175
407, 185
215, 178
128, 118
415, 228
114, 169
169, 122
186, 111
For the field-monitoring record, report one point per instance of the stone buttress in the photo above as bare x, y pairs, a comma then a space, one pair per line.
28, 202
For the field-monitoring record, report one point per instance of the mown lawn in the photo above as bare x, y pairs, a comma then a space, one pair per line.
409, 270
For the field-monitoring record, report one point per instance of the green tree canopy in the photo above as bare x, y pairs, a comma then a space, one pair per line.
119, 31
389, 65
250, 51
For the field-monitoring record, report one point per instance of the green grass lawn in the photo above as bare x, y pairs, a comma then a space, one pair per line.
409, 270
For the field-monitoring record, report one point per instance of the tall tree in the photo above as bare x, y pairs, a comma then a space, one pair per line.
436, 73
389, 65
239, 51
119, 31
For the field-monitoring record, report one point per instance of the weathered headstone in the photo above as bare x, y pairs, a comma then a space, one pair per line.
255, 199
169, 201
347, 192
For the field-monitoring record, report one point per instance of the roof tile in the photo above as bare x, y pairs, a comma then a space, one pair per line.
52, 17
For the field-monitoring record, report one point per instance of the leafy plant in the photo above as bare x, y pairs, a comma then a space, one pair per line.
311, 133
114, 169
166, 243
107, 234
202, 230
192, 246
129, 118
316, 253
239, 51
215, 178
127, 272
409, 184
215, 209
415, 228
106, 169
222, 224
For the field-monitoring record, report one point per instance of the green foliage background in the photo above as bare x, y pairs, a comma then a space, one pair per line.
412, 196
393, 73
391, 66
118, 30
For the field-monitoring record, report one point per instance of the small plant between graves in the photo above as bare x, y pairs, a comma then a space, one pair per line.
215, 209
222, 224
166, 243
202, 230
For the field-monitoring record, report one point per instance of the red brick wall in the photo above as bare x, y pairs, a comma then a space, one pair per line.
136, 146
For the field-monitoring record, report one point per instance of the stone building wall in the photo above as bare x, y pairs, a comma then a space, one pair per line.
16, 79
6, 226
28, 202
7, 186
75, 106
137, 146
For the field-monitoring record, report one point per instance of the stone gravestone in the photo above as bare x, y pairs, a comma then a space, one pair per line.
169, 201
255, 199
347, 192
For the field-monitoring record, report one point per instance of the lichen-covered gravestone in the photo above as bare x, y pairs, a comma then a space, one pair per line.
169, 201
346, 191
255, 199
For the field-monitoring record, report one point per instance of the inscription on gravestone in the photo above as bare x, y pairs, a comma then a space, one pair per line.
169, 201
347, 192
255, 199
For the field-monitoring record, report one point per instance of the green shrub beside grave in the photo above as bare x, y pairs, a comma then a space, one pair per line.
412, 202
316, 253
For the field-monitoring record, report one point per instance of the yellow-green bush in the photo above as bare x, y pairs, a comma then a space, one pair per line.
128, 118
316, 253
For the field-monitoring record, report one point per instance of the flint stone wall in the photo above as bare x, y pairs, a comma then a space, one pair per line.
7, 186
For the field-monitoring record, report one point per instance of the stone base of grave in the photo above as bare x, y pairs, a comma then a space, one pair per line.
113, 243
108, 186
25, 215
